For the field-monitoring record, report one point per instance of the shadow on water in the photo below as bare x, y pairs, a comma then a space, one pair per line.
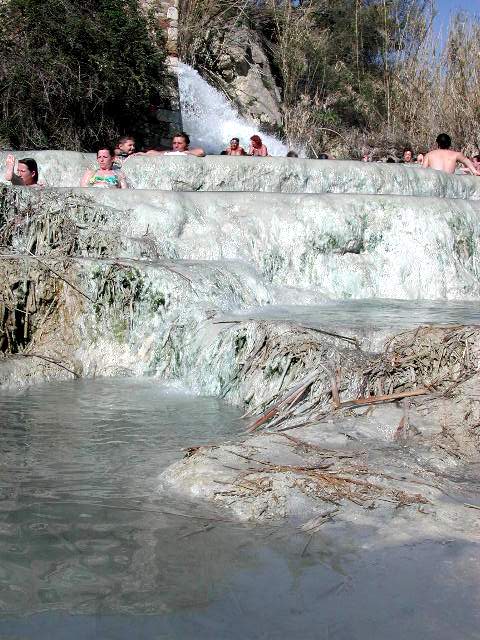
89, 549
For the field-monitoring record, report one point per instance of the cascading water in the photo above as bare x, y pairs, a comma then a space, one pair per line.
210, 119
243, 296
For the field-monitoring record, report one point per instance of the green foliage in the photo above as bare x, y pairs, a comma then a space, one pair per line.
332, 59
76, 73
337, 55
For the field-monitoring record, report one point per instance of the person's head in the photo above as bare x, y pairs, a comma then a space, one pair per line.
126, 144
420, 158
105, 158
444, 141
366, 158
476, 161
256, 141
292, 154
180, 141
27, 170
407, 155
234, 143
323, 156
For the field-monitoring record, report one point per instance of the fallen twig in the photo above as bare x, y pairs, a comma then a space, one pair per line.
385, 398
292, 395
82, 293
51, 360
472, 506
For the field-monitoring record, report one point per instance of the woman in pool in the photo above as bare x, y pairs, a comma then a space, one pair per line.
105, 176
257, 148
27, 172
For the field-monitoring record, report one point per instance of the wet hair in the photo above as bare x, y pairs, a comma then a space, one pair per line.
477, 157
236, 140
106, 147
182, 134
323, 156
408, 149
124, 139
292, 154
256, 139
32, 166
444, 141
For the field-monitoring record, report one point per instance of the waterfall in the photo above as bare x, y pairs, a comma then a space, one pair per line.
194, 239
210, 119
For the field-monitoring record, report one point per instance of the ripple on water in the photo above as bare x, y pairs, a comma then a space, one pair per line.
82, 531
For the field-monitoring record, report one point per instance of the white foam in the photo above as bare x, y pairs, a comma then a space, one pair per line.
211, 120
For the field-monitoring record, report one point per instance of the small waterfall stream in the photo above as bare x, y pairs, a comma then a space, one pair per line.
210, 119
238, 278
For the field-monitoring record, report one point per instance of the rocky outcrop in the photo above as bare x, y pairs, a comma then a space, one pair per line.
232, 58
273, 174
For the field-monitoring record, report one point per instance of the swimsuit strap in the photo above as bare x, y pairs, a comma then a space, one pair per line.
110, 179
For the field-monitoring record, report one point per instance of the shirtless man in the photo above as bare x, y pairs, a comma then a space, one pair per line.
234, 149
180, 146
445, 159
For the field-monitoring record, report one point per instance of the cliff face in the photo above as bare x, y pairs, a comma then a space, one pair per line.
231, 57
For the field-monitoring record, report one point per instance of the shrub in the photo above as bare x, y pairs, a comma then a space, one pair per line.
72, 74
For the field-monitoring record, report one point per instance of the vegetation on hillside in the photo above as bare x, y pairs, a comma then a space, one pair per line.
357, 73
72, 74
437, 87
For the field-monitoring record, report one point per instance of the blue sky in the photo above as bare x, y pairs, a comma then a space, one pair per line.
445, 7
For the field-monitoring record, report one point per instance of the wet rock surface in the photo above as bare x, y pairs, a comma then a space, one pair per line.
375, 428
269, 175
403, 459
233, 57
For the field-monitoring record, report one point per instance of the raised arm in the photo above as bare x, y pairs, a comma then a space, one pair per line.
122, 180
10, 166
86, 177
467, 163
200, 153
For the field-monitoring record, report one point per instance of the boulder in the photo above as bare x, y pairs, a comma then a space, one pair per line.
232, 57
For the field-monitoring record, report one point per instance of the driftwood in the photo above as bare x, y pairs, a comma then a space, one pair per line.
289, 399
429, 361
383, 399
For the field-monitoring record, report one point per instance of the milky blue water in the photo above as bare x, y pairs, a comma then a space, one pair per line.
371, 314
89, 549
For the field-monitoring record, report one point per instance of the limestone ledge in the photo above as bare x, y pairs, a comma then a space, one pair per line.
353, 473
274, 174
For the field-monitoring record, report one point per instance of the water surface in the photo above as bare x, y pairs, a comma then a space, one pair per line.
90, 549
370, 314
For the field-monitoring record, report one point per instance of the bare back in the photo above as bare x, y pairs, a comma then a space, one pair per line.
446, 160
